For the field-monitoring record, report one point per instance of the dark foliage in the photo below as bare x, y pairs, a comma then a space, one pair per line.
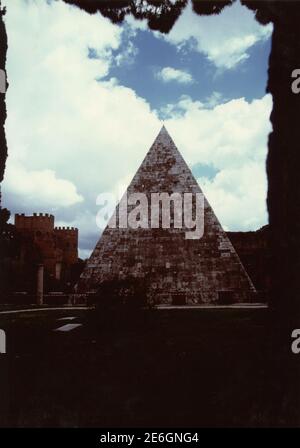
160, 14
9, 249
8, 237
128, 292
3, 50
120, 304
210, 7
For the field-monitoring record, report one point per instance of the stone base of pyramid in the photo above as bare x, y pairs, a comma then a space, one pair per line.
188, 300
191, 298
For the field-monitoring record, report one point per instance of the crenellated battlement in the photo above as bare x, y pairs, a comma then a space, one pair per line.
37, 221
57, 246
67, 239
70, 230
35, 215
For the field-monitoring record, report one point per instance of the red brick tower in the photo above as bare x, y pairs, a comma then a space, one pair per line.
57, 247
67, 242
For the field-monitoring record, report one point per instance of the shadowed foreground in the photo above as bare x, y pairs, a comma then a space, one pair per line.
160, 368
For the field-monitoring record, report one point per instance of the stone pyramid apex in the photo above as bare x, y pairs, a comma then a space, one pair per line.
163, 136
163, 129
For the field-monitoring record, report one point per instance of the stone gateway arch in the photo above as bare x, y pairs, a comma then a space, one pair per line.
175, 269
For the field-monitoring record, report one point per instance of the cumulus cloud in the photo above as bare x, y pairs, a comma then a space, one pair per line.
238, 192
168, 74
67, 126
225, 39
40, 187
232, 138
214, 99
74, 129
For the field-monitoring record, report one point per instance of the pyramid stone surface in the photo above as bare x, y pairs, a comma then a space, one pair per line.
178, 270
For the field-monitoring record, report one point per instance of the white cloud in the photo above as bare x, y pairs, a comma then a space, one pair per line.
239, 192
127, 56
225, 39
81, 137
231, 137
136, 24
168, 74
214, 99
41, 187
64, 128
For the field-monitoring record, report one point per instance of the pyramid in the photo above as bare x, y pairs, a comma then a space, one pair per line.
176, 269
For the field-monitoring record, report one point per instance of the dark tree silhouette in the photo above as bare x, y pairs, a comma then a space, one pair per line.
3, 51
160, 15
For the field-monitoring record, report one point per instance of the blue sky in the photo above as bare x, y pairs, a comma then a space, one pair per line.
247, 79
87, 98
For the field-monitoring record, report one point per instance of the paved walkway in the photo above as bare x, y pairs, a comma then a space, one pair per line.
30, 310
213, 307
158, 307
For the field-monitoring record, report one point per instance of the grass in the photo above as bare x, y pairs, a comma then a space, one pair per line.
161, 368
